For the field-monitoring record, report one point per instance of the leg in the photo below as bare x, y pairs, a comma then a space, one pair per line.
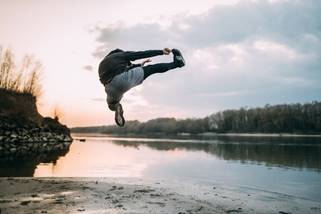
112, 106
158, 68
112, 101
119, 113
178, 62
118, 87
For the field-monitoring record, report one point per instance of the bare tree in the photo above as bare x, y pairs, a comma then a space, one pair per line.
57, 113
26, 79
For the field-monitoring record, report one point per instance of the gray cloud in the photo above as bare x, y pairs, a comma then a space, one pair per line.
287, 22
88, 68
292, 22
246, 54
142, 36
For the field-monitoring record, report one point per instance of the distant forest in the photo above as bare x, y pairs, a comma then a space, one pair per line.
285, 118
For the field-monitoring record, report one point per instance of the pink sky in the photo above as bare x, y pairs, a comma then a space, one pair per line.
63, 35
58, 34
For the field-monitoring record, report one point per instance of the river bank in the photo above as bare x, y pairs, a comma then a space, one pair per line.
24, 133
30, 140
107, 195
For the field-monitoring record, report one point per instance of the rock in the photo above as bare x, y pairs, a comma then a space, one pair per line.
238, 210
13, 135
144, 190
67, 139
115, 201
24, 203
58, 201
4, 201
113, 188
25, 140
13, 150
119, 206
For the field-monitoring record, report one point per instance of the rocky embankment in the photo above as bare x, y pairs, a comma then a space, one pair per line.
24, 133
19, 141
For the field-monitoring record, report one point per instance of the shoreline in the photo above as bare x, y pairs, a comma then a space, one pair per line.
136, 195
261, 135
206, 134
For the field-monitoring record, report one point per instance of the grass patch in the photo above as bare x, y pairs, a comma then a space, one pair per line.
23, 78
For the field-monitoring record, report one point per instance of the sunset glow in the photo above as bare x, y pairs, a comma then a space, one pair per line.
236, 56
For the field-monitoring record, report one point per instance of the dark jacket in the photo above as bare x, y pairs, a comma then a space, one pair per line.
119, 62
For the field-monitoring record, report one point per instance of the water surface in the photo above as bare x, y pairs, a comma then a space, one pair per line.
288, 166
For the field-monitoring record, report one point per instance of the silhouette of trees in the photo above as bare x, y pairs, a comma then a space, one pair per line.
286, 118
293, 118
20, 79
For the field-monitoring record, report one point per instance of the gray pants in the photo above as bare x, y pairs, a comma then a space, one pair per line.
121, 83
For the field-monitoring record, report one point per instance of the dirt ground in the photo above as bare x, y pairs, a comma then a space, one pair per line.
103, 195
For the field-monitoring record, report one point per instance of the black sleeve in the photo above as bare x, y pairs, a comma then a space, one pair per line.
133, 66
134, 55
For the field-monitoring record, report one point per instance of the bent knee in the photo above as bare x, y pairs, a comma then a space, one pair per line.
112, 106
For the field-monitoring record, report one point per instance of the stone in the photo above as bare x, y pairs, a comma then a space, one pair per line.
13, 150
14, 135
67, 139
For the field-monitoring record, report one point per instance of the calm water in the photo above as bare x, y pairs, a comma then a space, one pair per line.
286, 166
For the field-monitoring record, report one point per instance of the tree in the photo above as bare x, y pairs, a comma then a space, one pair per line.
20, 79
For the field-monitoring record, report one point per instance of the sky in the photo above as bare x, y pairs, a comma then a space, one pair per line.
239, 53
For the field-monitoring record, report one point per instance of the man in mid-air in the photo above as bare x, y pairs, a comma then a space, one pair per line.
118, 74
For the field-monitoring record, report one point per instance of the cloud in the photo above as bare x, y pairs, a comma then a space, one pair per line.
88, 68
249, 53
286, 22
98, 99
130, 38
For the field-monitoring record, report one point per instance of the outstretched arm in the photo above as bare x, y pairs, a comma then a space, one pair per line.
134, 55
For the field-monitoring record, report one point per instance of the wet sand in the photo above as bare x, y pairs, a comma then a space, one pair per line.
111, 195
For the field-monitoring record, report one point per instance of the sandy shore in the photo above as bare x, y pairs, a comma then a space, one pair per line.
108, 195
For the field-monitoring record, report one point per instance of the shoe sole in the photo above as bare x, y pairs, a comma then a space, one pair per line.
119, 117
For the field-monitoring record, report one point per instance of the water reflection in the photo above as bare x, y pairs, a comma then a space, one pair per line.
134, 157
297, 153
286, 166
25, 165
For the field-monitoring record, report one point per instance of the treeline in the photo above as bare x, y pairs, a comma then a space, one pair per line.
287, 118
293, 118
159, 125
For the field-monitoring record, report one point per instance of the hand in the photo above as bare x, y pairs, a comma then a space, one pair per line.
146, 61
167, 51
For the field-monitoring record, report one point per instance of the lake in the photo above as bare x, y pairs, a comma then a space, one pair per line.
288, 166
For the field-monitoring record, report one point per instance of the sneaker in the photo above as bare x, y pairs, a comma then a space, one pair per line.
119, 117
178, 58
